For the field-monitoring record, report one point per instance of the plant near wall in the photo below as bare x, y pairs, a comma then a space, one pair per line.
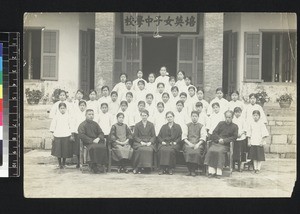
285, 100
33, 96
261, 96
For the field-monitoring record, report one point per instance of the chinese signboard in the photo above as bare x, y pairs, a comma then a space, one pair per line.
165, 22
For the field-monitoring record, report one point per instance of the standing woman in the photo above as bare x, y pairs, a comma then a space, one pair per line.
180, 81
143, 144
63, 134
164, 78
168, 139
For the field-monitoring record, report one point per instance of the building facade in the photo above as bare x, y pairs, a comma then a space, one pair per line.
236, 51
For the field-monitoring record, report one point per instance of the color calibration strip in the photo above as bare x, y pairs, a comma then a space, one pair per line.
10, 86
1, 105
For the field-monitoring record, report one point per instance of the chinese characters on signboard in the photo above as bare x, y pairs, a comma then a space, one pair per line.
165, 22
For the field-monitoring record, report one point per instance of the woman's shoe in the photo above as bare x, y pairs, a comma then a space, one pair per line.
170, 171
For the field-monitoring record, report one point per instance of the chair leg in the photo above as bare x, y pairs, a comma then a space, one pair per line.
109, 160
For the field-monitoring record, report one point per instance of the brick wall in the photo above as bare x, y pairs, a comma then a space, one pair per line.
282, 140
213, 53
104, 49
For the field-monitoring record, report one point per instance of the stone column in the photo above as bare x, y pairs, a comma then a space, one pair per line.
213, 53
104, 49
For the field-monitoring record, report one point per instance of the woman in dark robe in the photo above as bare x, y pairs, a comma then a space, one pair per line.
168, 140
223, 134
194, 147
93, 138
120, 137
143, 144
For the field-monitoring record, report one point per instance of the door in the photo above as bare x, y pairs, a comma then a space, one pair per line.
86, 50
157, 53
229, 62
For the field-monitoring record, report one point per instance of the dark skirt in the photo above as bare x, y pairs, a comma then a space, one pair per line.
195, 156
215, 156
166, 156
62, 147
76, 145
97, 153
143, 157
257, 153
239, 150
122, 152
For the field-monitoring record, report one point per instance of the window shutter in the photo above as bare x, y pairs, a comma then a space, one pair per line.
186, 56
133, 55
49, 60
253, 57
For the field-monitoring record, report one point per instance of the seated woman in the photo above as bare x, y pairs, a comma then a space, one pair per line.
92, 137
223, 134
168, 139
194, 147
143, 144
120, 135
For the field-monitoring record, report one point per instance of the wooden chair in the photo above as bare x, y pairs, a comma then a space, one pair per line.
83, 155
228, 158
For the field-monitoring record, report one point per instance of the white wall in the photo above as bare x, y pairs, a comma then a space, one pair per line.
68, 25
255, 22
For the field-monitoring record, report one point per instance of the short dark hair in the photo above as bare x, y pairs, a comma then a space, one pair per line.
104, 104
172, 78
256, 112
215, 104
237, 109
183, 93
160, 103
114, 92
200, 89
174, 88
129, 93
195, 112
122, 75
145, 111
180, 101
103, 87
235, 92
124, 102
252, 95
81, 91
150, 95
180, 71
219, 89
127, 80
160, 83
62, 104
141, 102
92, 90
119, 114
170, 112
82, 101
228, 111
192, 87
141, 81
199, 104
89, 110
166, 94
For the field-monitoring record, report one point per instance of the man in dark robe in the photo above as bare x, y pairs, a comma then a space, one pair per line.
143, 144
93, 138
224, 133
194, 144
168, 140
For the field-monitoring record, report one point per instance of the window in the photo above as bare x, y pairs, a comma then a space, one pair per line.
278, 57
40, 54
270, 57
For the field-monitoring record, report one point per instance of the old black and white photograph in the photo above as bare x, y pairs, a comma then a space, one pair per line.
159, 104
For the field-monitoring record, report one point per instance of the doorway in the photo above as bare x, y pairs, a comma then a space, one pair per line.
159, 52
229, 63
86, 62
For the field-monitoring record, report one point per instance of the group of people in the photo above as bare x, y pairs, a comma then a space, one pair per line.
146, 121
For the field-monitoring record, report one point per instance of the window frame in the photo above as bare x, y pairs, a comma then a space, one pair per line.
43, 77
259, 57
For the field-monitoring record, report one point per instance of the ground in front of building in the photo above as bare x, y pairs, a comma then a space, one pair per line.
43, 180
